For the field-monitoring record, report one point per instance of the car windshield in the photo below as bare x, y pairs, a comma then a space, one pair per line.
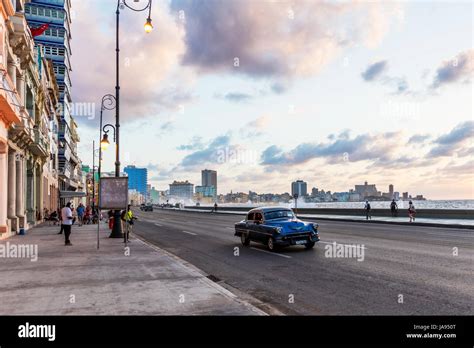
279, 214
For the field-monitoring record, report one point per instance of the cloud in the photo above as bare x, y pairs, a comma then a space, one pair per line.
374, 70
375, 147
277, 39
455, 140
378, 72
195, 144
418, 138
236, 97
208, 154
461, 169
255, 128
460, 68
151, 79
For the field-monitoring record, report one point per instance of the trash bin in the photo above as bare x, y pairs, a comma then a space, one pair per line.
22, 232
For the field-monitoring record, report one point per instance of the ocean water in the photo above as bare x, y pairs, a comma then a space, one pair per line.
428, 204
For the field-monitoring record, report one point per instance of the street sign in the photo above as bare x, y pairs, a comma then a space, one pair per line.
113, 193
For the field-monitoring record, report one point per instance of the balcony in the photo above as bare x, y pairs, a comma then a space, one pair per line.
64, 172
9, 101
40, 147
22, 134
22, 41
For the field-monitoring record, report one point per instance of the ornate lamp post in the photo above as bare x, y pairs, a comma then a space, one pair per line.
139, 6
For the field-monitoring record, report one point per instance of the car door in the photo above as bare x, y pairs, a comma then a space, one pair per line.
249, 224
257, 228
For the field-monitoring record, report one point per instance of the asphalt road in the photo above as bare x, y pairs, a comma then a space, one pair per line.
409, 264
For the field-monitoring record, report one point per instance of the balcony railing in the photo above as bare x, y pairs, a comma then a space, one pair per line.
40, 147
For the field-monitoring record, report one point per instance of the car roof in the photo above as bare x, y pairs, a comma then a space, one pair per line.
268, 209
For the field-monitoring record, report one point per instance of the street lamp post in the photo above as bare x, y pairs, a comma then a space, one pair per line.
121, 4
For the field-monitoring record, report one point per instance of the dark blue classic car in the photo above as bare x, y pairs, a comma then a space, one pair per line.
276, 226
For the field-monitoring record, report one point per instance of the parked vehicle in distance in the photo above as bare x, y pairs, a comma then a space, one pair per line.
146, 207
276, 227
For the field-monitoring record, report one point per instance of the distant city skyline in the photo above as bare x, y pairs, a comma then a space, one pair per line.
353, 97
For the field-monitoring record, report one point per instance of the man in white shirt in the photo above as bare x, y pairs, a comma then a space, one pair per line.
66, 215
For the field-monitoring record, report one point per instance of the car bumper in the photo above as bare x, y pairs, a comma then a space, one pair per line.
296, 240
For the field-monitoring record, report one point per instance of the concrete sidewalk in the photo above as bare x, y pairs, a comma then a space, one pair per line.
81, 280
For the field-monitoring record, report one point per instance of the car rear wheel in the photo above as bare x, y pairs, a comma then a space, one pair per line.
271, 244
245, 239
309, 245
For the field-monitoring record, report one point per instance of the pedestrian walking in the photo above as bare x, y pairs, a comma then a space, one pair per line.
411, 211
60, 215
80, 214
110, 215
394, 208
128, 219
67, 221
367, 211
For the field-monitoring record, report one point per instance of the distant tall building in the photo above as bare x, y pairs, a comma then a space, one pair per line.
299, 187
209, 178
137, 179
208, 186
390, 190
366, 190
182, 189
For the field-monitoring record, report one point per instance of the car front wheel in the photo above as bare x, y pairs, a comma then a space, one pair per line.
245, 239
309, 245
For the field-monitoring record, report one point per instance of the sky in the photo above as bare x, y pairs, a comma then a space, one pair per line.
267, 92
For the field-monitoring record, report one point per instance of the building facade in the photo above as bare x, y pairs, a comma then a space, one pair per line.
208, 188
366, 190
182, 189
209, 178
55, 45
32, 98
300, 188
137, 179
29, 85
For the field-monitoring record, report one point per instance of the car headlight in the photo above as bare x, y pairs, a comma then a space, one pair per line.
278, 229
315, 227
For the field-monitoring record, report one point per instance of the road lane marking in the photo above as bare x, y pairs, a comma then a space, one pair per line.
191, 233
271, 253
340, 244
158, 224
230, 228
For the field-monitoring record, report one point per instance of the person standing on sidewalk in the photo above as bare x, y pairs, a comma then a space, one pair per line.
367, 211
394, 208
60, 215
110, 214
80, 214
66, 214
128, 219
411, 211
